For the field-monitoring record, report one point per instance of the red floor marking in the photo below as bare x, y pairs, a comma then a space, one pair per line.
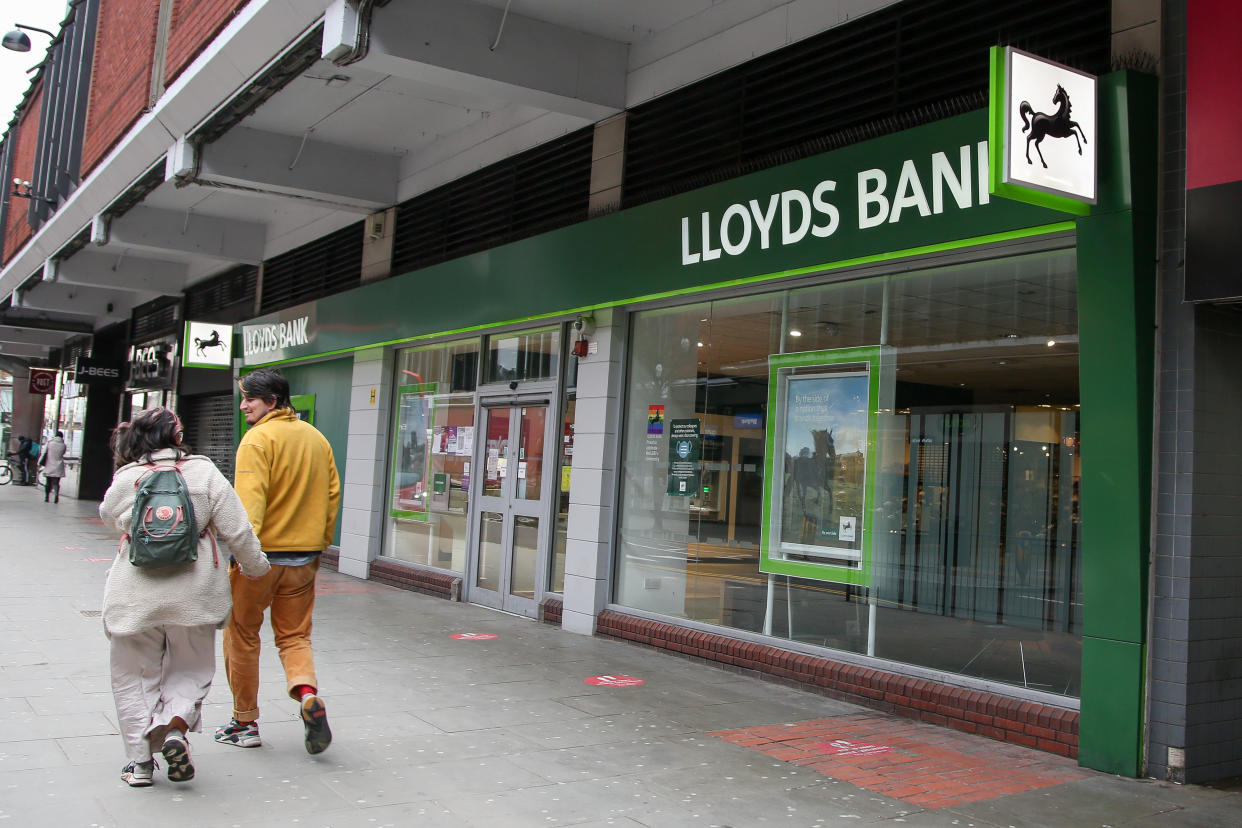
474, 636
925, 765
94, 520
94, 560
614, 681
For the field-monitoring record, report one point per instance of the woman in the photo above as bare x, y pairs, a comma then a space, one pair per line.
53, 464
162, 622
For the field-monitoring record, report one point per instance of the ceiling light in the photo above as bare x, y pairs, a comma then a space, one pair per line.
700, 344
795, 332
1051, 342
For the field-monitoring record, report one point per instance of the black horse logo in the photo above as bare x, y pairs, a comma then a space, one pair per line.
1056, 125
213, 341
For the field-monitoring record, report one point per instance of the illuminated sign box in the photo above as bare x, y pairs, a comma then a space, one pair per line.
207, 345
1043, 132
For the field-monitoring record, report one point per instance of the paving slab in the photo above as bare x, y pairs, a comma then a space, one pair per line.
444, 733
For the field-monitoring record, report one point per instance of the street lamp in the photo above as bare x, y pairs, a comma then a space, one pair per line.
17, 40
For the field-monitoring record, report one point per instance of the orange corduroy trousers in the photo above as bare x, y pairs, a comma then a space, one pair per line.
290, 593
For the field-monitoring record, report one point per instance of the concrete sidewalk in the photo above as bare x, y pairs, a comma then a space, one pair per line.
493, 731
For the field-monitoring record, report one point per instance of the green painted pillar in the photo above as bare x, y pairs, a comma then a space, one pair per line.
1116, 323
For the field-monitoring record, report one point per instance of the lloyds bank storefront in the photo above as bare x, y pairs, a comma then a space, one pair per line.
852, 421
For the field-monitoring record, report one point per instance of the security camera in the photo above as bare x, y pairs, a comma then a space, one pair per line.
584, 325
513, 385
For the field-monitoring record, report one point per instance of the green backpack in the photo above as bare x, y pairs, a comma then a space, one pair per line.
162, 530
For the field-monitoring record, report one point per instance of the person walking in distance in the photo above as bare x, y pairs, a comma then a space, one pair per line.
161, 612
286, 477
53, 464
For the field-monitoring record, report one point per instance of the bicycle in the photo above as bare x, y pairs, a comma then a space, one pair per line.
10, 468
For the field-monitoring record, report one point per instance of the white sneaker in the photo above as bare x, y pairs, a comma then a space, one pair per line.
138, 774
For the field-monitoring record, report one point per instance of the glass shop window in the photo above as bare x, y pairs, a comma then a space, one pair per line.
433, 444
936, 523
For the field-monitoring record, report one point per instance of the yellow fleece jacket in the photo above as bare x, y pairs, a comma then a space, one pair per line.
286, 478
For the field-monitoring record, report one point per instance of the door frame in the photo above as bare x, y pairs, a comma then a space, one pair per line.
502, 395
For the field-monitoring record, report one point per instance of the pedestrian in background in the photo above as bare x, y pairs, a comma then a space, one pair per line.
21, 458
286, 477
162, 622
53, 464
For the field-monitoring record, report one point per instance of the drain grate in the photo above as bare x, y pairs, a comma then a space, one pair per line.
91, 613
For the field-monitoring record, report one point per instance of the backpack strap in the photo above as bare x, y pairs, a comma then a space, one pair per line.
215, 553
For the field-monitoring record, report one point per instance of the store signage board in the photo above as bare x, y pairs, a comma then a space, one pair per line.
820, 465
207, 345
88, 370
1043, 132
151, 363
42, 380
281, 336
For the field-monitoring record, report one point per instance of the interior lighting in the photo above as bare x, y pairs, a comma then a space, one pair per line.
795, 332
1051, 342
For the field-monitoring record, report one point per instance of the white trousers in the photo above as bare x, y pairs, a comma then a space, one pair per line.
158, 675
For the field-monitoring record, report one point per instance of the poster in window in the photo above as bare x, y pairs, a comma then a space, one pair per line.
825, 433
820, 464
411, 453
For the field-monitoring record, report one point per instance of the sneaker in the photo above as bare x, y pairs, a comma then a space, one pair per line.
238, 734
138, 774
315, 719
176, 752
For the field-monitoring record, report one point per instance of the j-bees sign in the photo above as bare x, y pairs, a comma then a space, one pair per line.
151, 364
90, 371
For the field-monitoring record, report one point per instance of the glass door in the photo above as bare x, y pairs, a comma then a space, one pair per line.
513, 505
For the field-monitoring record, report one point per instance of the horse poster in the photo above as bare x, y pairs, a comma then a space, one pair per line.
825, 437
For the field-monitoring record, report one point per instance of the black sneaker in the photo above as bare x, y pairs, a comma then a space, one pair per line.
315, 719
138, 774
176, 752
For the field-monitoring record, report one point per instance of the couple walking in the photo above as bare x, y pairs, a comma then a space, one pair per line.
162, 622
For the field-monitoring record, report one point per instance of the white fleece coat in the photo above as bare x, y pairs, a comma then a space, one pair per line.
188, 595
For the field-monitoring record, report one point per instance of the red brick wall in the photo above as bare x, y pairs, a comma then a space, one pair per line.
26, 134
1025, 723
195, 23
121, 77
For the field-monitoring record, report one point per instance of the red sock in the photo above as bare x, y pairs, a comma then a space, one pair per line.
303, 690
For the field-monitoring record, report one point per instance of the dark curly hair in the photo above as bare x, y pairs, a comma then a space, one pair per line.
266, 384
147, 432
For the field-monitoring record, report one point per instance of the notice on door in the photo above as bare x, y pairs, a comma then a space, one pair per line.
685, 447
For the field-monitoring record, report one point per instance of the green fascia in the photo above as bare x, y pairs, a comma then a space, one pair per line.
1116, 311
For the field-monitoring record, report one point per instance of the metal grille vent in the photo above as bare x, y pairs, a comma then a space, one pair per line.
325, 266
911, 63
530, 193
292, 63
155, 318
209, 429
73, 349
212, 299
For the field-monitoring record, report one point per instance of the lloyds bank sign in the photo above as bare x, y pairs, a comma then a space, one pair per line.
950, 181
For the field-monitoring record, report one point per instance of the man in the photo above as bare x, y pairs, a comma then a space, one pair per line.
22, 458
286, 477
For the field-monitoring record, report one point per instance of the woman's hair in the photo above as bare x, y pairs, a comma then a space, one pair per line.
266, 384
147, 432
